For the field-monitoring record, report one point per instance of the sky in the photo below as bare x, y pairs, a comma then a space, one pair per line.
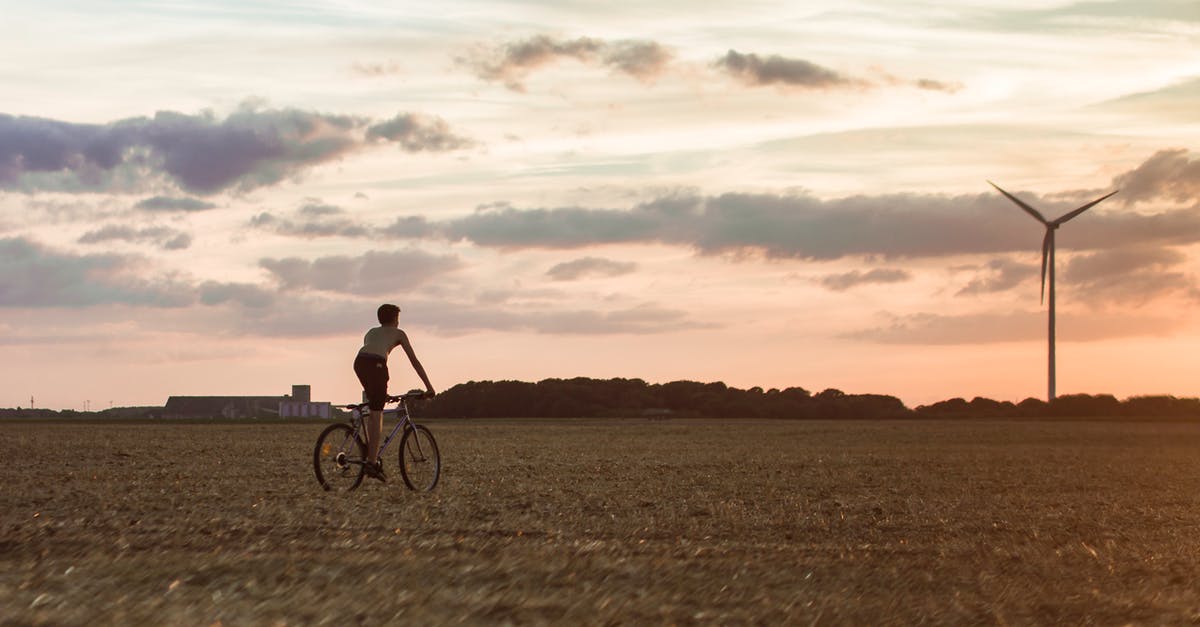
212, 198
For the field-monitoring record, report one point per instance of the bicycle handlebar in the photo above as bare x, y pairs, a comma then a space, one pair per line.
411, 395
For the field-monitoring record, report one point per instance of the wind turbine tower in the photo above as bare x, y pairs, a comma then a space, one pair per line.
1048, 262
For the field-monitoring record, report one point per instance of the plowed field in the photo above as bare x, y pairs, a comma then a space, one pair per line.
619, 521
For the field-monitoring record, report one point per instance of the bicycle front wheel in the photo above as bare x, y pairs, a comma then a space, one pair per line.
420, 462
338, 458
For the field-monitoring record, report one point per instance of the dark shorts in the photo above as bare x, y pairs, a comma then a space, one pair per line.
373, 374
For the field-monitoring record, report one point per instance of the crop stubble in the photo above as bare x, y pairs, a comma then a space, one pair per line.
608, 521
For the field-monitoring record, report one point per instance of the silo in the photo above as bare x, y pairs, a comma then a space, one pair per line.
302, 393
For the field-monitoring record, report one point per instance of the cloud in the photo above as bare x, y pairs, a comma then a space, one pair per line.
313, 207
999, 275
372, 273
1176, 101
245, 294
797, 226
510, 63
199, 154
929, 84
376, 69
590, 266
854, 278
457, 318
313, 219
1016, 326
756, 71
1129, 276
169, 203
776, 70
1168, 174
161, 236
805, 227
408, 227
417, 133
35, 276
1104, 265
644, 60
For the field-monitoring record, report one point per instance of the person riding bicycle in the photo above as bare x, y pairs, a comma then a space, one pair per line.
370, 365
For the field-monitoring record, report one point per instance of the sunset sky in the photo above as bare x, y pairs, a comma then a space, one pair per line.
213, 197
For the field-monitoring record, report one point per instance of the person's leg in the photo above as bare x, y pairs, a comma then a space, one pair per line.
374, 435
373, 375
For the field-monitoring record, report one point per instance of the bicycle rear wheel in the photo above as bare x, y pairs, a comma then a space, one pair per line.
338, 458
420, 462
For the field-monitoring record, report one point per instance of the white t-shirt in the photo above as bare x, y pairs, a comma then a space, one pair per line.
381, 340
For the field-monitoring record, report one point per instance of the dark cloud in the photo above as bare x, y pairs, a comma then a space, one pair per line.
1017, 326
513, 61
161, 236
200, 154
1000, 275
776, 70
590, 266
756, 71
169, 203
416, 133
1168, 174
854, 278
372, 273
644, 60
932, 85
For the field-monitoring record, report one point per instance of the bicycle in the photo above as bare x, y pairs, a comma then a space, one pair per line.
341, 449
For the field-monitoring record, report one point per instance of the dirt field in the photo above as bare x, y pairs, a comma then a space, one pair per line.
609, 522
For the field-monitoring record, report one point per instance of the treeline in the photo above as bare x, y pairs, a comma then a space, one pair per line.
109, 413
586, 398
1068, 406
592, 398
600, 398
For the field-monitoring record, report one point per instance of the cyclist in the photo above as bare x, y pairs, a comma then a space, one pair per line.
371, 367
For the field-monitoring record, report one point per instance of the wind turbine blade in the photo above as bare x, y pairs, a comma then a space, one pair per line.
1045, 257
1082, 209
1033, 212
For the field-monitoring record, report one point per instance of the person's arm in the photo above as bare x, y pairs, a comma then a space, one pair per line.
416, 363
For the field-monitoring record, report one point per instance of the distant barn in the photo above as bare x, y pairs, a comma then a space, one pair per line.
298, 405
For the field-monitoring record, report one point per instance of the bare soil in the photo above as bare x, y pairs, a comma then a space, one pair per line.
613, 521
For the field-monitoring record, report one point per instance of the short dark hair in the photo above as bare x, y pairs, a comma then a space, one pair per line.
388, 313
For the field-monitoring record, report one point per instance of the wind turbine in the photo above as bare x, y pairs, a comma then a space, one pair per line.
1048, 260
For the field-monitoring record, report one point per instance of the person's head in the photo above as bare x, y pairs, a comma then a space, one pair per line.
389, 315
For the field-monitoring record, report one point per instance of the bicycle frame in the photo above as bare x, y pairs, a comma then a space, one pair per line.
359, 411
